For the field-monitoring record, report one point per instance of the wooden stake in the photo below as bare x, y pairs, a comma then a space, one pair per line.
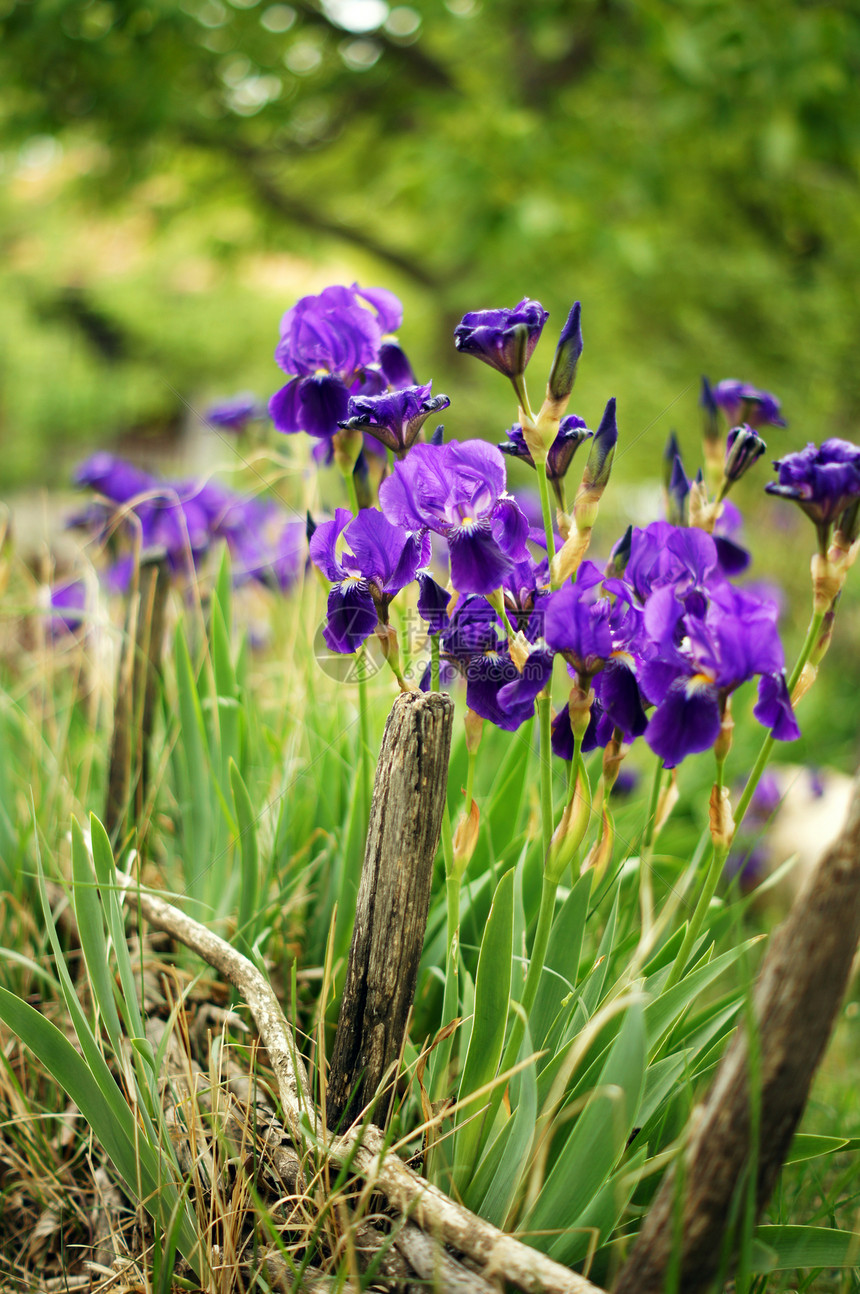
393, 899
799, 990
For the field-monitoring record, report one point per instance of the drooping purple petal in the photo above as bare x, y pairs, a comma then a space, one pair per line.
324, 542
686, 722
774, 709
388, 307
733, 558
511, 528
478, 564
486, 676
352, 616
395, 365
315, 405
433, 602
618, 691
520, 692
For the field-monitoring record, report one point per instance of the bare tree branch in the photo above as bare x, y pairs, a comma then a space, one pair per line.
498, 1255
799, 990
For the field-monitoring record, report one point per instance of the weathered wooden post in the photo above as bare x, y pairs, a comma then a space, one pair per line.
799, 989
393, 899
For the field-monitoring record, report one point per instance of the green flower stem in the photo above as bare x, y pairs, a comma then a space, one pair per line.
365, 759
470, 779
546, 510
577, 764
646, 890
718, 854
352, 493
519, 385
544, 709
509, 629
434, 662
578, 770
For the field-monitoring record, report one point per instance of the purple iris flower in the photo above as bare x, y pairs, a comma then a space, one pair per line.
336, 331
394, 418
824, 481
695, 661
595, 625
376, 562
331, 342
504, 339
572, 431
576, 624
113, 477
474, 644
68, 602
741, 402
525, 589
684, 558
458, 491
185, 517
171, 518
266, 546
233, 414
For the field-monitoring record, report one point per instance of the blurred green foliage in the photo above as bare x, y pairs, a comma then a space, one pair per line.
175, 173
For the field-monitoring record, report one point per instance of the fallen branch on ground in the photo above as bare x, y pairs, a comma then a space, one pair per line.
499, 1256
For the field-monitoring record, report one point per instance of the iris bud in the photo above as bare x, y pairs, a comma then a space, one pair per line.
743, 448
563, 372
570, 832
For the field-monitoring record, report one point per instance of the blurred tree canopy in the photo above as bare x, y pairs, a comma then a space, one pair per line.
687, 168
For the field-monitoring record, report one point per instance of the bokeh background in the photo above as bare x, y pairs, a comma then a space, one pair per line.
174, 175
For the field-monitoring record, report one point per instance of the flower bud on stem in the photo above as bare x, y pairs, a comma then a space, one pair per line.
465, 839
586, 505
570, 832
704, 514
474, 725
720, 821
723, 744
599, 855
828, 578
614, 754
